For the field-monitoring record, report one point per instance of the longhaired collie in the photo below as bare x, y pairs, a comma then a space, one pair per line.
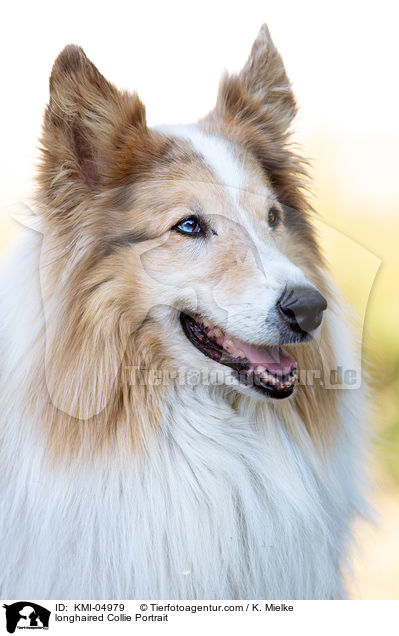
176, 417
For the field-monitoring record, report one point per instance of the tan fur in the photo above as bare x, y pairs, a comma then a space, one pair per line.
110, 190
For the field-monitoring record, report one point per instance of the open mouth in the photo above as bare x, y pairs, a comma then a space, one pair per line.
268, 369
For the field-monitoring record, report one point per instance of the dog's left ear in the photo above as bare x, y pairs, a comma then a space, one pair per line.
255, 108
261, 92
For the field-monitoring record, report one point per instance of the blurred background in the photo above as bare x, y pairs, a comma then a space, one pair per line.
342, 58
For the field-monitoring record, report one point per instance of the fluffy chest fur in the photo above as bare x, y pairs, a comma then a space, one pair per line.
223, 507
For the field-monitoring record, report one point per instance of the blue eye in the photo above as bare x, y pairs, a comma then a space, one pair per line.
189, 226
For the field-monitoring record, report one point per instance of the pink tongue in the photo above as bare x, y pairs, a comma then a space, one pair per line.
273, 358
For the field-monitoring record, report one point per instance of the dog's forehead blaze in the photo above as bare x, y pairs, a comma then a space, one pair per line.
240, 192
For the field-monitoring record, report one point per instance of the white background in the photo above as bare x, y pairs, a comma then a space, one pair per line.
341, 56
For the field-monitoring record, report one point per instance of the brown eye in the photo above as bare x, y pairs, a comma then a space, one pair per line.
273, 217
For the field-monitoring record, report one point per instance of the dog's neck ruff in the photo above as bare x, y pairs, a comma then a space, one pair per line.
225, 502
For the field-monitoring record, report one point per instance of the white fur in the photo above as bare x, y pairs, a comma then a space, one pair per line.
225, 505
217, 153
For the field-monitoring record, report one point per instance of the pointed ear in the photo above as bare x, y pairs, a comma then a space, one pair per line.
262, 86
265, 79
94, 136
255, 108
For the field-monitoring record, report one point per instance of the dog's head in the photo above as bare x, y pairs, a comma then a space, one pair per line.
192, 242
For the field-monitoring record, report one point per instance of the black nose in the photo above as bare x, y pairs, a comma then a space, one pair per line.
302, 308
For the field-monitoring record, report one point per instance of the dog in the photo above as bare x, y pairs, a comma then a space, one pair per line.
160, 435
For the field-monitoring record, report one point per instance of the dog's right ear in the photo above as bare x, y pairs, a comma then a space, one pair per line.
94, 136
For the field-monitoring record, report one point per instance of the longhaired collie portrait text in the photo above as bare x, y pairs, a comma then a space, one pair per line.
175, 420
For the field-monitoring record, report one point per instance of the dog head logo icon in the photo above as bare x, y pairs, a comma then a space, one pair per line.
26, 615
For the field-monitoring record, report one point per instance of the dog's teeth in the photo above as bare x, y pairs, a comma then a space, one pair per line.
228, 343
206, 323
279, 382
274, 380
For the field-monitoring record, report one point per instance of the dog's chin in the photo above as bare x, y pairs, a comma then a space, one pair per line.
268, 369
